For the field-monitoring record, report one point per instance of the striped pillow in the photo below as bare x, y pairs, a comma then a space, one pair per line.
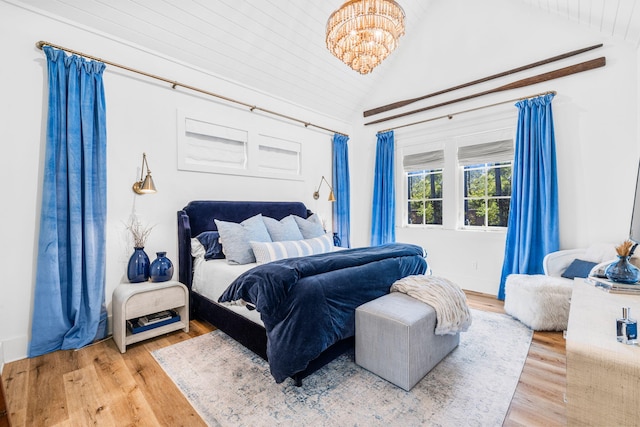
272, 251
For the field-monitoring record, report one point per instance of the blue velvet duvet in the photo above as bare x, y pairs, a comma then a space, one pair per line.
307, 304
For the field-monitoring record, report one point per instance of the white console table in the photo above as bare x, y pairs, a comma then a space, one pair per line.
603, 375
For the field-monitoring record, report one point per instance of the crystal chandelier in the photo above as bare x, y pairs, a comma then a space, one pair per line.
363, 32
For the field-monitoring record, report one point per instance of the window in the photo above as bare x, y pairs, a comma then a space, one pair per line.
425, 197
486, 170
423, 173
487, 194
456, 176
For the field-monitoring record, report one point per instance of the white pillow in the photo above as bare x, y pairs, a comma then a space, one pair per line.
285, 229
310, 227
272, 251
235, 238
197, 250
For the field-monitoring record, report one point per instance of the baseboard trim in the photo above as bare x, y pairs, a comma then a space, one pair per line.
14, 349
479, 294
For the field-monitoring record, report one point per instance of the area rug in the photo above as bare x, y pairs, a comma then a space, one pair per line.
230, 386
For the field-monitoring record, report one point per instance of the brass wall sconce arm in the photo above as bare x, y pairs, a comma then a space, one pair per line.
316, 194
145, 185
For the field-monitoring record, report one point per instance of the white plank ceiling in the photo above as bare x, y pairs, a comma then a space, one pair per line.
278, 46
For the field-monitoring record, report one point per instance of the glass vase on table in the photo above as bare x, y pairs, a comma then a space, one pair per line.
138, 267
161, 269
622, 271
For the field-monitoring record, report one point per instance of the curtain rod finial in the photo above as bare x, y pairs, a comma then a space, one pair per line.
40, 44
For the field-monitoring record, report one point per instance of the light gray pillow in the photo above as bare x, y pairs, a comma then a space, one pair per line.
310, 227
235, 238
285, 229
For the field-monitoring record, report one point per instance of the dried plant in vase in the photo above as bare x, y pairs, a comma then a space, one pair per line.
138, 266
624, 249
622, 271
139, 232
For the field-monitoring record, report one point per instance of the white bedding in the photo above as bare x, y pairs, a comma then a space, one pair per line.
211, 278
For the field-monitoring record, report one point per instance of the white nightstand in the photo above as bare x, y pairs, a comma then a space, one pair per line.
133, 300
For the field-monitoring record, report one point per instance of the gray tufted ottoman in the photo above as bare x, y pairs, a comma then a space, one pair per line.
395, 339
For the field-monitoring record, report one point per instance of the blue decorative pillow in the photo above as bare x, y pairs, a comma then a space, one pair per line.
235, 238
285, 229
578, 268
273, 251
310, 227
211, 242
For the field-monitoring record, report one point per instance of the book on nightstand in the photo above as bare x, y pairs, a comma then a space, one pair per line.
152, 321
156, 317
614, 287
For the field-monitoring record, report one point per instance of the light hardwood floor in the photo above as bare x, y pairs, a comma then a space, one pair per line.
4, 419
98, 385
539, 397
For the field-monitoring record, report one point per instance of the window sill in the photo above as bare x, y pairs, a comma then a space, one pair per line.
483, 230
462, 229
424, 226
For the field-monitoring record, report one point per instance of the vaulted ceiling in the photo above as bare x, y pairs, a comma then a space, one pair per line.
278, 46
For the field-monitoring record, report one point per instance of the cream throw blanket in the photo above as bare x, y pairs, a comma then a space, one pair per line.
446, 298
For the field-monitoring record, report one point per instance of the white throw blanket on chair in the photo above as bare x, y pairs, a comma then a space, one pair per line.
446, 298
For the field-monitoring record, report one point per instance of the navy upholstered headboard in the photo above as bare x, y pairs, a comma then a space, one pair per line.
198, 216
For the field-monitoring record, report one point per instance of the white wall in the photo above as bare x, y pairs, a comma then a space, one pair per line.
141, 117
595, 115
596, 119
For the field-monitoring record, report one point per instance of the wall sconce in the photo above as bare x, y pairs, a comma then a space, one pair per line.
146, 185
316, 194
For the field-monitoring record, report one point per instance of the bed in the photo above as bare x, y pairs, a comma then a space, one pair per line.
307, 346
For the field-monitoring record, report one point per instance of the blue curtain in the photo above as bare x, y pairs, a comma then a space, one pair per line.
383, 224
533, 213
341, 187
68, 309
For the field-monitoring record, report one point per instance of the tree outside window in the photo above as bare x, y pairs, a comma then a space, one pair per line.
487, 194
424, 197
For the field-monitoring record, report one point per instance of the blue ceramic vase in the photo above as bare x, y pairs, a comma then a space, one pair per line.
138, 268
161, 268
622, 271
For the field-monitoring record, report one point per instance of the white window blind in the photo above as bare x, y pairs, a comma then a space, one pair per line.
423, 161
279, 155
491, 152
210, 144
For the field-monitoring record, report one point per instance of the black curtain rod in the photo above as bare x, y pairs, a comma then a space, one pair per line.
174, 84
450, 116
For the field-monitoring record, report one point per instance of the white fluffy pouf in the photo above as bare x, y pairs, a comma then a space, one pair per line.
540, 302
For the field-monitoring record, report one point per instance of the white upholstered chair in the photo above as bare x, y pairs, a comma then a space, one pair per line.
541, 301
556, 263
